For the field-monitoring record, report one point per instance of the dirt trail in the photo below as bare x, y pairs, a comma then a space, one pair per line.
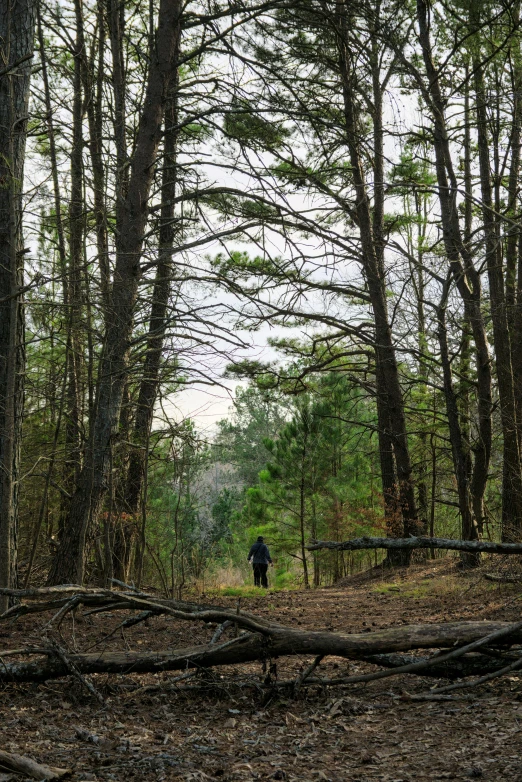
349, 735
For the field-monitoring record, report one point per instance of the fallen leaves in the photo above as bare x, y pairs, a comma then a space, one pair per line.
230, 736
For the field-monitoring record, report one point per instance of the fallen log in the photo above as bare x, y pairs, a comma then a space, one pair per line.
473, 546
29, 768
252, 647
261, 639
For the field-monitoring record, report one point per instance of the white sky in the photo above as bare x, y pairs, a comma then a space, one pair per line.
205, 406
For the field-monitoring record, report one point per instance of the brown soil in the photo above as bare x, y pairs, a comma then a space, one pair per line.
152, 731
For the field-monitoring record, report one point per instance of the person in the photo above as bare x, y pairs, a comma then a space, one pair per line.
259, 556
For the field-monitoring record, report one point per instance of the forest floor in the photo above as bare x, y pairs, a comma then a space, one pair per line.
151, 730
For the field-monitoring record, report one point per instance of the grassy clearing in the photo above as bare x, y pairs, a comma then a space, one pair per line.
422, 589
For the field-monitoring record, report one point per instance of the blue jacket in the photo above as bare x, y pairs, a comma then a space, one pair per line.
259, 554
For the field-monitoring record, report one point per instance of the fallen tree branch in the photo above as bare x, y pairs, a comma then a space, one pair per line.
219, 632
108, 600
279, 641
482, 680
357, 544
474, 664
22, 765
261, 639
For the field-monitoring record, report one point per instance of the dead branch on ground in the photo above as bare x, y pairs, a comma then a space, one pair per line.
260, 640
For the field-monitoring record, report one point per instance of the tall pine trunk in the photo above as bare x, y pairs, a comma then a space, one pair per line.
125, 533
512, 471
460, 453
17, 21
389, 388
73, 284
466, 277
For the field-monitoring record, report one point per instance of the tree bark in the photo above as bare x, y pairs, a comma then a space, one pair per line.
512, 471
514, 230
29, 768
68, 565
358, 544
389, 481
461, 456
72, 284
93, 90
17, 22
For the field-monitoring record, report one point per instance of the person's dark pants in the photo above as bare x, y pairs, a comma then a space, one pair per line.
260, 578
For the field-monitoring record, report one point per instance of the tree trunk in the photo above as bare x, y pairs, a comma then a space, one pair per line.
386, 362
512, 472
68, 565
466, 277
93, 90
461, 456
73, 286
363, 544
392, 511
155, 340
514, 230
302, 533
17, 20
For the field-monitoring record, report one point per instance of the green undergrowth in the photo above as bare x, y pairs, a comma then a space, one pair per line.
244, 591
437, 586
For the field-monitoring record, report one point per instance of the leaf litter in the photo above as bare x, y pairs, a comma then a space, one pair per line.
154, 729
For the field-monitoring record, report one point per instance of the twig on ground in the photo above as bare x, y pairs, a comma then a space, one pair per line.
71, 604
71, 667
482, 679
130, 622
162, 685
124, 585
306, 673
238, 611
406, 696
25, 650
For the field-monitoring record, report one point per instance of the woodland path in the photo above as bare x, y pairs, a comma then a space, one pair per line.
344, 735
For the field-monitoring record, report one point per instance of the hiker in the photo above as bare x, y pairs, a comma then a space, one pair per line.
259, 556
